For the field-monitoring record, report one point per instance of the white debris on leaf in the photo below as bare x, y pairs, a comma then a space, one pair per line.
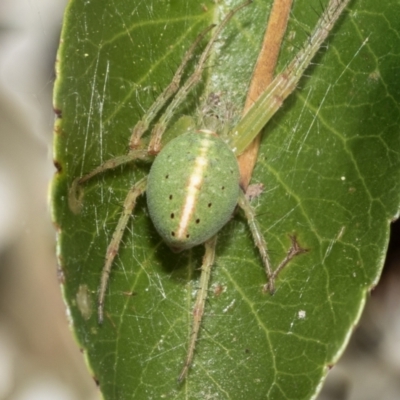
301, 314
254, 191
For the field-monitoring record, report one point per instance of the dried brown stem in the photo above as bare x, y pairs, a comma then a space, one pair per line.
262, 77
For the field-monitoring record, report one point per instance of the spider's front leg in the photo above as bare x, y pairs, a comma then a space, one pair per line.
260, 242
160, 127
142, 126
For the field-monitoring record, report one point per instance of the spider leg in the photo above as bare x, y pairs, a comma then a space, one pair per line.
285, 83
198, 310
169, 91
159, 128
112, 250
260, 242
75, 194
293, 251
258, 237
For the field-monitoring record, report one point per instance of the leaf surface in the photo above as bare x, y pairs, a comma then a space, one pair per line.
329, 161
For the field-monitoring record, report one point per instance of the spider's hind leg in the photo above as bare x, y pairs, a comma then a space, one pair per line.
260, 242
198, 309
112, 249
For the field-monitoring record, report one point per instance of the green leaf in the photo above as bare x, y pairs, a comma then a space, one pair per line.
330, 165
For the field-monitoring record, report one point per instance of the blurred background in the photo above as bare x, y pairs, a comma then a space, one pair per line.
38, 356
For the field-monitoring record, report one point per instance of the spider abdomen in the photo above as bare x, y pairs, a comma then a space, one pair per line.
192, 189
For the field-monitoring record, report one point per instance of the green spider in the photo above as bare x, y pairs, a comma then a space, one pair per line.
193, 186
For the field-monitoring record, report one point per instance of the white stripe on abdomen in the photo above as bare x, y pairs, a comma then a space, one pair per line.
193, 188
